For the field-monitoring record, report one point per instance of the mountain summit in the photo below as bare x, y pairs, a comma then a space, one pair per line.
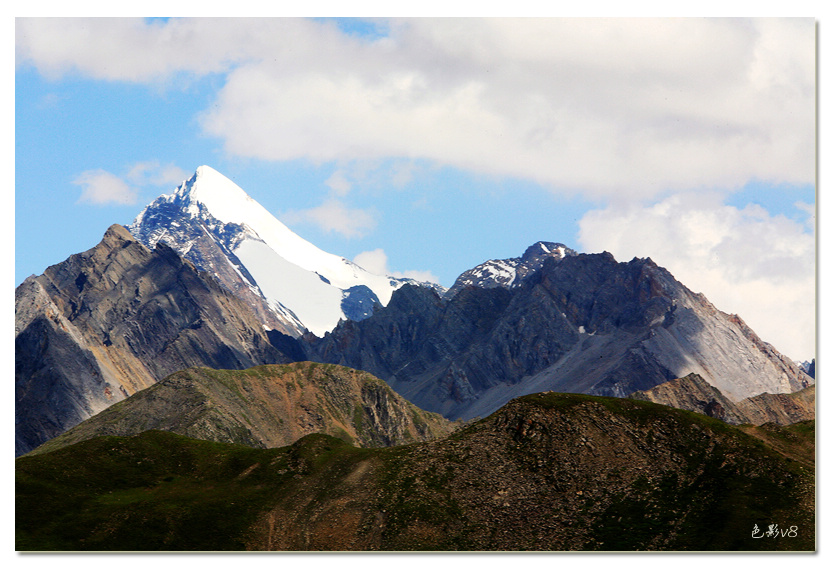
511, 272
293, 285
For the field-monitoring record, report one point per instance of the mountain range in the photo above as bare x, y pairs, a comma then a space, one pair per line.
207, 277
578, 323
205, 379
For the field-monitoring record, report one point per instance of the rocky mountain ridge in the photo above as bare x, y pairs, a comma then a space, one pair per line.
113, 320
578, 323
693, 393
511, 272
266, 407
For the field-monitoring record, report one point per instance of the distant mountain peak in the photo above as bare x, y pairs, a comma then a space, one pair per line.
547, 249
510, 272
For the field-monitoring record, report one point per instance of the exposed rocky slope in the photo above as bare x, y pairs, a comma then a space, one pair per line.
546, 472
781, 409
583, 323
695, 394
266, 407
113, 320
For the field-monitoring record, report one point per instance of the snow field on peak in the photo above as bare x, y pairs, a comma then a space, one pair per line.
314, 302
228, 203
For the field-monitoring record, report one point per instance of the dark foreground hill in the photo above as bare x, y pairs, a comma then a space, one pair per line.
266, 407
546, 472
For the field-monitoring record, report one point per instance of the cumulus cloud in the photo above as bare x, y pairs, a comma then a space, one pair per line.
103, 188
137, 50
376, 262
334, 216
373, 261
745, 261
623, 107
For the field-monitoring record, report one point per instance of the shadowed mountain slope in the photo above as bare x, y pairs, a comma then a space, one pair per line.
113, 320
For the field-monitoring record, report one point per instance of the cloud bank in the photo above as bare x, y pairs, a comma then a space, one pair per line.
622, 107
636, 115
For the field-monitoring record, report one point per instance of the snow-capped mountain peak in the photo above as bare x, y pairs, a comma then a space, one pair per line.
211, 191
510, 272
220, 228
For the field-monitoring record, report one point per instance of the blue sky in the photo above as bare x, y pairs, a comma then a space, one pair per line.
434, 145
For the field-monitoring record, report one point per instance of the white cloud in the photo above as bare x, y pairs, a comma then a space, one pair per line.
373, 261
135, 50
102, 188
154, 174
338, 183
333, 216
613, 107
376, 262
744, 260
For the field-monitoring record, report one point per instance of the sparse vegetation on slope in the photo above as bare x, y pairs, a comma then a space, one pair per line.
267, 406
546, 472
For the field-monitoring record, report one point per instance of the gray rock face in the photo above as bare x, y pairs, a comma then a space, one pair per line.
584, 324
113, 320
359, 302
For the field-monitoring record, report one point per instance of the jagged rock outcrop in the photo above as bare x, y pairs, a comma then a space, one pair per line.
583, 323
695, 394
266, 407
113, 320
550, 472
